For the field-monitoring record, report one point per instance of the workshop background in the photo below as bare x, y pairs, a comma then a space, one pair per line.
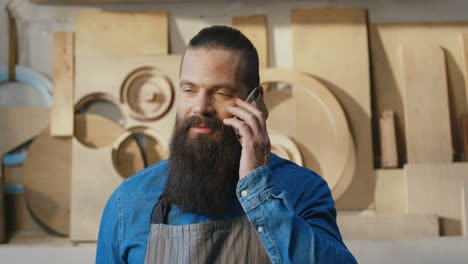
372, 95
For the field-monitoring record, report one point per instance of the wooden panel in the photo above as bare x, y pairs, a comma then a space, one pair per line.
331, 44
128, 82
386, 41
388, 226
427, 118
436, 189
47, 174
465, 208
388, 145
110, 74
94, 176
390, 196
256, 29
310, 106
20, 124
121, 33
62, 110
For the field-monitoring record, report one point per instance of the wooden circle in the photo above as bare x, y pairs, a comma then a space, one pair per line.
284, 147
312, 117
47, 168
47, 176
122, 153
95, 131
147, 93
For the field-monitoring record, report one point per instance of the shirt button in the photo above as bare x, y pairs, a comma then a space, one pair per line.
260, 229
244, 193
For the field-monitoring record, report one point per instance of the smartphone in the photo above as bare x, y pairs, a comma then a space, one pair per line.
255, 96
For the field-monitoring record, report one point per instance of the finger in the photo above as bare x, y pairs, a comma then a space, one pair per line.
247, 117
252, 107
244, 130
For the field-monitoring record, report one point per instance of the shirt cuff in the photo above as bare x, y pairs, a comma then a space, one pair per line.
254, 183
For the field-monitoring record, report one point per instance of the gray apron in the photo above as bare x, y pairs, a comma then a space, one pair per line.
227, 241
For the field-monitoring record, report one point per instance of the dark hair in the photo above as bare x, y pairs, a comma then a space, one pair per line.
232, 39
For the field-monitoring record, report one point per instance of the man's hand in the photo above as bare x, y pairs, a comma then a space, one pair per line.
254, 136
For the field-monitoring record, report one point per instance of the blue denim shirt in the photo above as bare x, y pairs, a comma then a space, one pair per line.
292, 204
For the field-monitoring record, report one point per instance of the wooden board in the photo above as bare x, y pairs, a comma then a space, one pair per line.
121, 33
386, 42
256, 29
388, 144
331, 44
94, 176
62, 75
109, 74
427, 117
311, 108
20, 124
436, 189
388, 226
390, 196
465, 208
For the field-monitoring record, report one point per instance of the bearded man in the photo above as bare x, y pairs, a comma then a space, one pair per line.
221, 197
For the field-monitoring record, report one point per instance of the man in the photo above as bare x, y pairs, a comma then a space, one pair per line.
220, 198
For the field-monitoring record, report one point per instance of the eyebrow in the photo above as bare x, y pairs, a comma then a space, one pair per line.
216, 86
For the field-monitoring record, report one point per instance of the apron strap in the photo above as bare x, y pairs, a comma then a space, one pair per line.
160, 211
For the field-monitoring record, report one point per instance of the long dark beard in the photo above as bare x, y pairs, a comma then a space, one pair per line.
203, 171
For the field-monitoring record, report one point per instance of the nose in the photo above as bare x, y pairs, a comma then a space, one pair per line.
203, 104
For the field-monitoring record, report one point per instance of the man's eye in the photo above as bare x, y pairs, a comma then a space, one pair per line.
188, 90
223, 94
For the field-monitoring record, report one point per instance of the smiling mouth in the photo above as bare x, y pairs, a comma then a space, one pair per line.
201, 129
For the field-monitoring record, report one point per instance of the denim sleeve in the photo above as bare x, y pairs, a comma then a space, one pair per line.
303, 232
110, 233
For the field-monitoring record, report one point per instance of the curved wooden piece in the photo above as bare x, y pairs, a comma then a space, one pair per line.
47, 175
155, 152
314, 119
285, 147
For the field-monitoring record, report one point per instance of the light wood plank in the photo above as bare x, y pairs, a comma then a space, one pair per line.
121, 33
388, 226
256, 29
427, 118
386, 42
388, 144
63, 72
332, 45
436, 189
390, 195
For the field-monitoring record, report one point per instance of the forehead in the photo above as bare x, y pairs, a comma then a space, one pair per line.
207, 66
